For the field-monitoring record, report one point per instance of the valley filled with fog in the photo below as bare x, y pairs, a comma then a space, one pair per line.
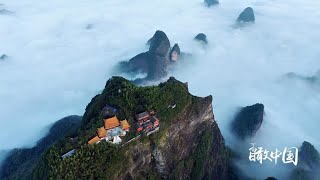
61, 53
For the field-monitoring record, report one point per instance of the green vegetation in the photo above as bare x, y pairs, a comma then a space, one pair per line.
201, 154
105, 161
100, 161
21, 162
197, 161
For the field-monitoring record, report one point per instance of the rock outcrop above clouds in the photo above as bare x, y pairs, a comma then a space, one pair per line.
3, 57
246, 16
156, 61
175, 53
211, 2
309, 156
201, 37
248, 121
308, 163
160, 44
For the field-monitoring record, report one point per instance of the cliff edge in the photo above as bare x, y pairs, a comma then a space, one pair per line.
188, 145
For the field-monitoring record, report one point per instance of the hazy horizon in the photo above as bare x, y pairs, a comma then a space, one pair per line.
61, 54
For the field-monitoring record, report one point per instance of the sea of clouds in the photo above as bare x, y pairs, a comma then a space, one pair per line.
62, 52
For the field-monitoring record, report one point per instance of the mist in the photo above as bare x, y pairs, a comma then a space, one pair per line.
61, 53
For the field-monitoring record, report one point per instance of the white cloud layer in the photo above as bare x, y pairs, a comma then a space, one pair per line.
62, 52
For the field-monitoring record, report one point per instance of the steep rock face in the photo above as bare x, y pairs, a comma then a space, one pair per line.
176, 48
247, 15
309, 156
154, 62
175, 53
189, 144
160, 44
309, 163
192, 148
155, 66
201, 38
248, 121
20, 162
188, 128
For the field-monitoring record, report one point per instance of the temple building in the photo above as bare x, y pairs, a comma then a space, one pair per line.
102, 132
111, 123
142, 117
155, 121
94, 140
111, 131
125, 125
147, 122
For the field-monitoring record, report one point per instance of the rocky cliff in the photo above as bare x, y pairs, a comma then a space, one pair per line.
189, 144
201, 37
156, 62
191, 148
247, 15
248, 121
153, 62
309, 163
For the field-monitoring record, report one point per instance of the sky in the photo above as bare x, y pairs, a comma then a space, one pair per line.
62, 52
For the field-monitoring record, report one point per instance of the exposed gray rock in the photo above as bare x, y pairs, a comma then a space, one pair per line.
309, 156
248, 121
247, 15
202, 38
175, 53
155, 66
154, 62
176, 48
308, 163
160, 44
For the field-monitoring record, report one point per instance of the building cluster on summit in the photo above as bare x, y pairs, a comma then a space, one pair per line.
113, 129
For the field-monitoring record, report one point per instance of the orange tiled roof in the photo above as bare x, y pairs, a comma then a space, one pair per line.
111, 122
125, 124
94, 140
101, 132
